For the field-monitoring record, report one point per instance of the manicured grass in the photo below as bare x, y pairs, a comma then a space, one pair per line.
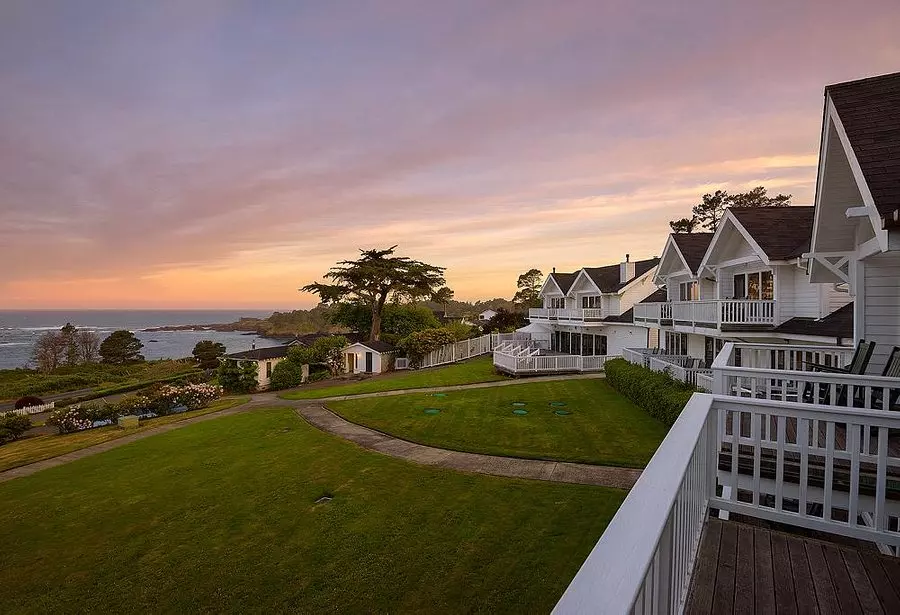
468, 372
37, 448
603, 427
221, 517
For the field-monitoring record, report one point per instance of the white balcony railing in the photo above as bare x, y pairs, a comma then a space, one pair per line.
567, 315
548, 364
644, 560
707, 314
786, 373
822, 468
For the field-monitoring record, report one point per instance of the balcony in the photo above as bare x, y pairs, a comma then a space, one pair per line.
675, 544
760, 449
576, 316
542, 362
719, 314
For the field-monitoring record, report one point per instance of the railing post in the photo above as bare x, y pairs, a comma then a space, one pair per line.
663, 598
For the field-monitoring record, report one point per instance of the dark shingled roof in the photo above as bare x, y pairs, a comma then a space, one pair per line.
261, 354
658, 296
377, 346
837, 324
627, 316
564, 280
870, 112
607, 278
782, 232
692, 247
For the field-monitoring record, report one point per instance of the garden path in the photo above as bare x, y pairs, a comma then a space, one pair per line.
556, 471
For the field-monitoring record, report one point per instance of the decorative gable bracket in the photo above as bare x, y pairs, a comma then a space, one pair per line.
837, 263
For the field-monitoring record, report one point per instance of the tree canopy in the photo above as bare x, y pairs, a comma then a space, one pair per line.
711, 208
378, 277
207, 353
529, 289
121, 347
397, 320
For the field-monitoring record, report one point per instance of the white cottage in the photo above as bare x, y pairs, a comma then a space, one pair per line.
371, 357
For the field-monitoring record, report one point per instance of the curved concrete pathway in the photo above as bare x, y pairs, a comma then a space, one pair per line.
556, 471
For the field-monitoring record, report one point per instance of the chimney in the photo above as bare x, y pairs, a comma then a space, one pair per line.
626, 270
554, 270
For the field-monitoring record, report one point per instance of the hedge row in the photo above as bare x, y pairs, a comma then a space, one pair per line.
660, 395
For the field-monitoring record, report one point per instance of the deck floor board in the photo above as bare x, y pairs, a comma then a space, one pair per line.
753, 569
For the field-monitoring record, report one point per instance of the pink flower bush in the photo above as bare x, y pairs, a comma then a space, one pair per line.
69, 420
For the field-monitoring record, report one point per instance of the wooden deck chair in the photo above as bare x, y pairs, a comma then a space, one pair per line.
857, 367
891, 370
858, 363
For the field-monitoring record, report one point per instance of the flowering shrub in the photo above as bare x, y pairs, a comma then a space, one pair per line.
100, 411
135, 404
191, 396
71, 419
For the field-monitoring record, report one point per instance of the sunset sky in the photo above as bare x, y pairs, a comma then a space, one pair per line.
222, 154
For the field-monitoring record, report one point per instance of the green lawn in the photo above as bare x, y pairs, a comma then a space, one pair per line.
221, 517
603, 427
37, 448
468, 372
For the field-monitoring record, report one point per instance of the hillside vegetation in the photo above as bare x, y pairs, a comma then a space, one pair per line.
15, 383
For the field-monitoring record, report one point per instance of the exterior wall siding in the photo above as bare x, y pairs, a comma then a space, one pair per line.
881, 306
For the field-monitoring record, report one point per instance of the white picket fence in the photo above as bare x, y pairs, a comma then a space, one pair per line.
459, 351
34, 409
466, 349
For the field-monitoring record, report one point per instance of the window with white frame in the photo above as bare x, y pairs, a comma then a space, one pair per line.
754, 285
689, 291
557, 303
592, 301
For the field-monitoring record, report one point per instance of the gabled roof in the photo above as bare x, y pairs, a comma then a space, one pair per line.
260, 354
692, 247
837, 324
607, 278
564, 280
869, 110
659, 295
376, 345
783, 233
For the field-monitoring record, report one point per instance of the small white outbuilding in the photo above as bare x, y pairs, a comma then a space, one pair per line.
371, 357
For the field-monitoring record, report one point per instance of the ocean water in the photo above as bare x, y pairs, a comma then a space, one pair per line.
20, 329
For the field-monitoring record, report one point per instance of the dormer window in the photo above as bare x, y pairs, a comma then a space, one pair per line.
590, 302
557, 303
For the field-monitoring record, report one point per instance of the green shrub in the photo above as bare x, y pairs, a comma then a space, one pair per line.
660, 395
100, 411
287, 374
12, 426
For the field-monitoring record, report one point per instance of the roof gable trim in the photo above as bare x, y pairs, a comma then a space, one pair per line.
868, 200
727, 218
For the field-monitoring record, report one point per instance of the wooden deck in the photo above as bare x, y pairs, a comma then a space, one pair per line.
745, 569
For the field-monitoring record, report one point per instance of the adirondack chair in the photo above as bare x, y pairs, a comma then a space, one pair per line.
858, 365
891, 370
